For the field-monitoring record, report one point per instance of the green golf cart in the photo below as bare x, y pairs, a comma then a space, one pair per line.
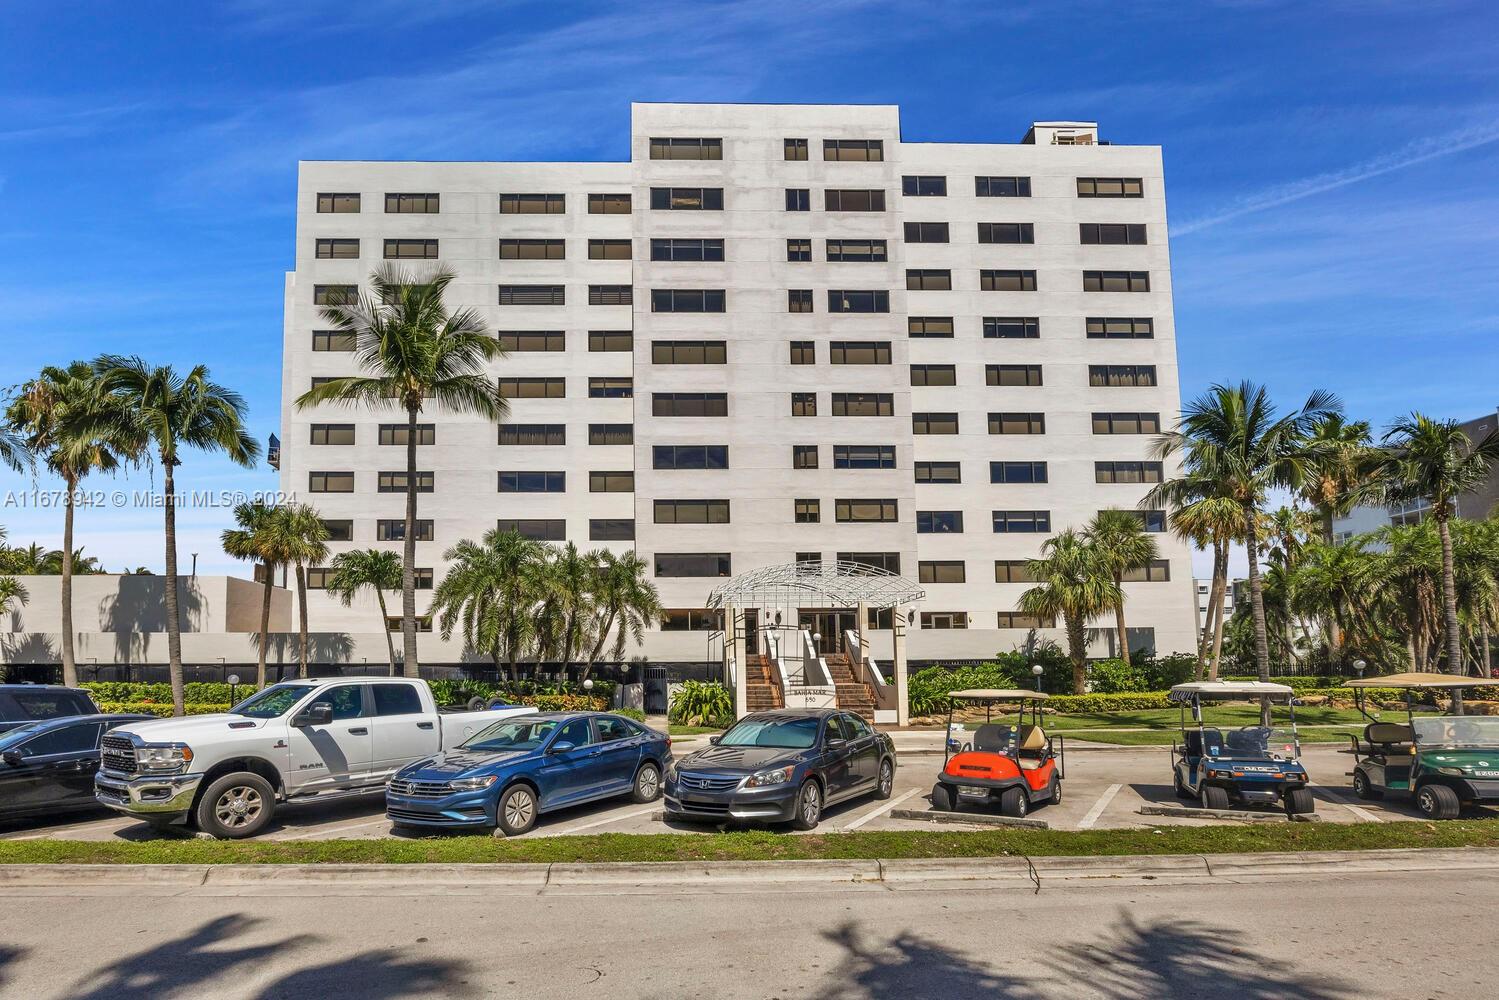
1443, 762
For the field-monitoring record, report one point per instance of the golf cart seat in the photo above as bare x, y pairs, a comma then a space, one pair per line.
1032, 747
992, 737
1209, 740
1388, 737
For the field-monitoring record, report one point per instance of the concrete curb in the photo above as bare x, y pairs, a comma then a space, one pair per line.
983, 819
1237, 815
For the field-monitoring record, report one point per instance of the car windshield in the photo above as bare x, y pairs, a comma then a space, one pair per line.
1260, 742
18, 735
512, 736
787, 734
1463, 731
274, 702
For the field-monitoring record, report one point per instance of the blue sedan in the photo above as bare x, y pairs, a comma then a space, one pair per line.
517, 769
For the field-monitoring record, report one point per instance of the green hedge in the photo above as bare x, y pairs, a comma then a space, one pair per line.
158, 709
202, 693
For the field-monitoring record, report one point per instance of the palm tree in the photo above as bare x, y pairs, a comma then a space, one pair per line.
174, 412
569, 581
1341, 467
1121, 545
301, 536
376, 569
1231, 437
413, 353
1214, 522
490, 591
13, 451
1074, 585
256, 540
1435, 461
628, 601
12, 594
1410, 574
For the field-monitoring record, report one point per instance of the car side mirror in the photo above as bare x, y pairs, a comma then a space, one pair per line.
834, 742
13, 759
714, 739
313, 715
561, 746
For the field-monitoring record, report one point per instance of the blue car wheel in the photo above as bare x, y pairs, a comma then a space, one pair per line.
516, 811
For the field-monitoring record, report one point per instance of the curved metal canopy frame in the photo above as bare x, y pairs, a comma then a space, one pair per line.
816, 584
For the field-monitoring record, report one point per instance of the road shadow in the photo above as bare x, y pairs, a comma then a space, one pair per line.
375, 975
909, 966
1160, 795
9, 955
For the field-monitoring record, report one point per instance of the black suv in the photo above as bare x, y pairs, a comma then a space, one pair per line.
23, 703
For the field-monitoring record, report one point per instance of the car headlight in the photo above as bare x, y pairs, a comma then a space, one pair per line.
1456, 772
164, 758
764, 779
471, 784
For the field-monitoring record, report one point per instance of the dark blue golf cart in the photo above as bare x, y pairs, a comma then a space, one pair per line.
1254, 765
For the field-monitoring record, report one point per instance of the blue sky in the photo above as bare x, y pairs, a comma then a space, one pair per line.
1330, 166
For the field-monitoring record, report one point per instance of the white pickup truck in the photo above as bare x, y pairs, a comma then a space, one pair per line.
226, 773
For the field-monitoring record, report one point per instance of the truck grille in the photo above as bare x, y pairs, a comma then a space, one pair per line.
420, 789
113, 794
117, 753
705, 783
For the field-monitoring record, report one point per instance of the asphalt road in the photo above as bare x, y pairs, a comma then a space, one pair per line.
1366, 935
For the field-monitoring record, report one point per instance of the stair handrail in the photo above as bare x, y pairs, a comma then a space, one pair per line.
867, 669
815, 672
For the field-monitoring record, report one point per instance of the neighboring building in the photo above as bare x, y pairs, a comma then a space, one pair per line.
775, 334
1204, 592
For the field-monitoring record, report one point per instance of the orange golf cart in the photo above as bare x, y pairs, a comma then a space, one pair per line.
1013, 764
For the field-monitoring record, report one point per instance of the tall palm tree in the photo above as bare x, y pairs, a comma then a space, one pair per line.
1341, 469
413, 353
301, 535
1075, 586
1410, 578
65, 420
490, 591
1121, 545
13, 451
1231, 436
570, 578
1434, 460
374, 569
176, 411
256, 540
1214, 522
628, 601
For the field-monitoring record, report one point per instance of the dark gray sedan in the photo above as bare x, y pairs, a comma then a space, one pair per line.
784, 766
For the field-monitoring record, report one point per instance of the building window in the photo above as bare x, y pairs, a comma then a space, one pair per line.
611, 482
609, 204
932, 327
1017, 423
333, 340
1121, 375
858, 301
401, 433
337, 202
923, 186
533, 295
853, 149
942, 571
939, 522
609, 250
929, 279
1127, 472
939, 473
533, 482
856, 251
926, 232
1007, 281
804, 404
611, 387
317, 577
804, 456
687, 250
863, 456
412, 204
807, 511
811, 557
1120, 328
1107, 233
608, 341
423, 624
857, 511
689, 352
799, 251
863, 404
1157, 571
533, 388
611, 529
1020, 522
929, 375
799, 300
683, 199
686, 149
1116, 281
798, 200
337, 249
1002, 187
410, 249
1126, 423
859, 352
332, 434
1110, 187
796, 149
338, 531
1007, 232
330, 482
934, 423
803, 352
1017, 472
693, 619
536, 529
539, 249
533, 434
1151, 520
395, 482
946, 620
394, 529
528, 341
687, 300
1012, 375
1012, 327
853, 200
610, 295
335, 295
690, 456
1013, 571
887, 561
611, 434
694, 564
1017, 619
536, 204
691, 511
689, 404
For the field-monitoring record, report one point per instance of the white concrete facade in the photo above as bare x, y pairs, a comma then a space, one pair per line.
756, 376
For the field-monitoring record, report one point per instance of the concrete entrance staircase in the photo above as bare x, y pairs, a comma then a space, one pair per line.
762, 687
853, 695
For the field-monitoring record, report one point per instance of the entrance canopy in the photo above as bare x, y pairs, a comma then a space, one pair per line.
816, 584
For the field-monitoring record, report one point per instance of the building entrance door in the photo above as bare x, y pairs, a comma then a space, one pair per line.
830, 624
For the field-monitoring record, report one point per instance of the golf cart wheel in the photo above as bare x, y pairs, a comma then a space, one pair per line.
1438, 802
1056, 790
808, 806
1013, 802
1181, 789
1363, 787
943, 799
1214, 797
475, 704
1299, 801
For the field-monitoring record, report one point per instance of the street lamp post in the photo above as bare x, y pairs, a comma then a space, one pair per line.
233, 680
1036, 671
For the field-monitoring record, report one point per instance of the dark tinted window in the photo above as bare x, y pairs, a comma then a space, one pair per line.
44, 703
68, 739
577, 732
611, 728
396, 699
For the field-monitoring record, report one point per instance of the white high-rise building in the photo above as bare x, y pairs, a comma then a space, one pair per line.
775, 334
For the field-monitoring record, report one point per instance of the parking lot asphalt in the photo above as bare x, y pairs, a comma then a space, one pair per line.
1103, 789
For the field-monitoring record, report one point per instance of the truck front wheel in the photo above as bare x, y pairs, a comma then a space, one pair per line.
236, 806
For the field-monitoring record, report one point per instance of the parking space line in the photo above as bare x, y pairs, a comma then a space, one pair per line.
102, 824
605, 821
884, 808
1337, 796
1091, 817
320, 831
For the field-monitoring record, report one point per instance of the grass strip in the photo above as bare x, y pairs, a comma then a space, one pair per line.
769, 846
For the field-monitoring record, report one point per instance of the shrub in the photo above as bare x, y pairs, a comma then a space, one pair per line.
630, 713
156, 708
133, 691
701, 703
1117, 677
461, 692
1131, 702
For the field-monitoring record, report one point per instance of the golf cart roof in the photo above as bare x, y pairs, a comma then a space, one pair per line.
998, 694
1207, 690
1415, 681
